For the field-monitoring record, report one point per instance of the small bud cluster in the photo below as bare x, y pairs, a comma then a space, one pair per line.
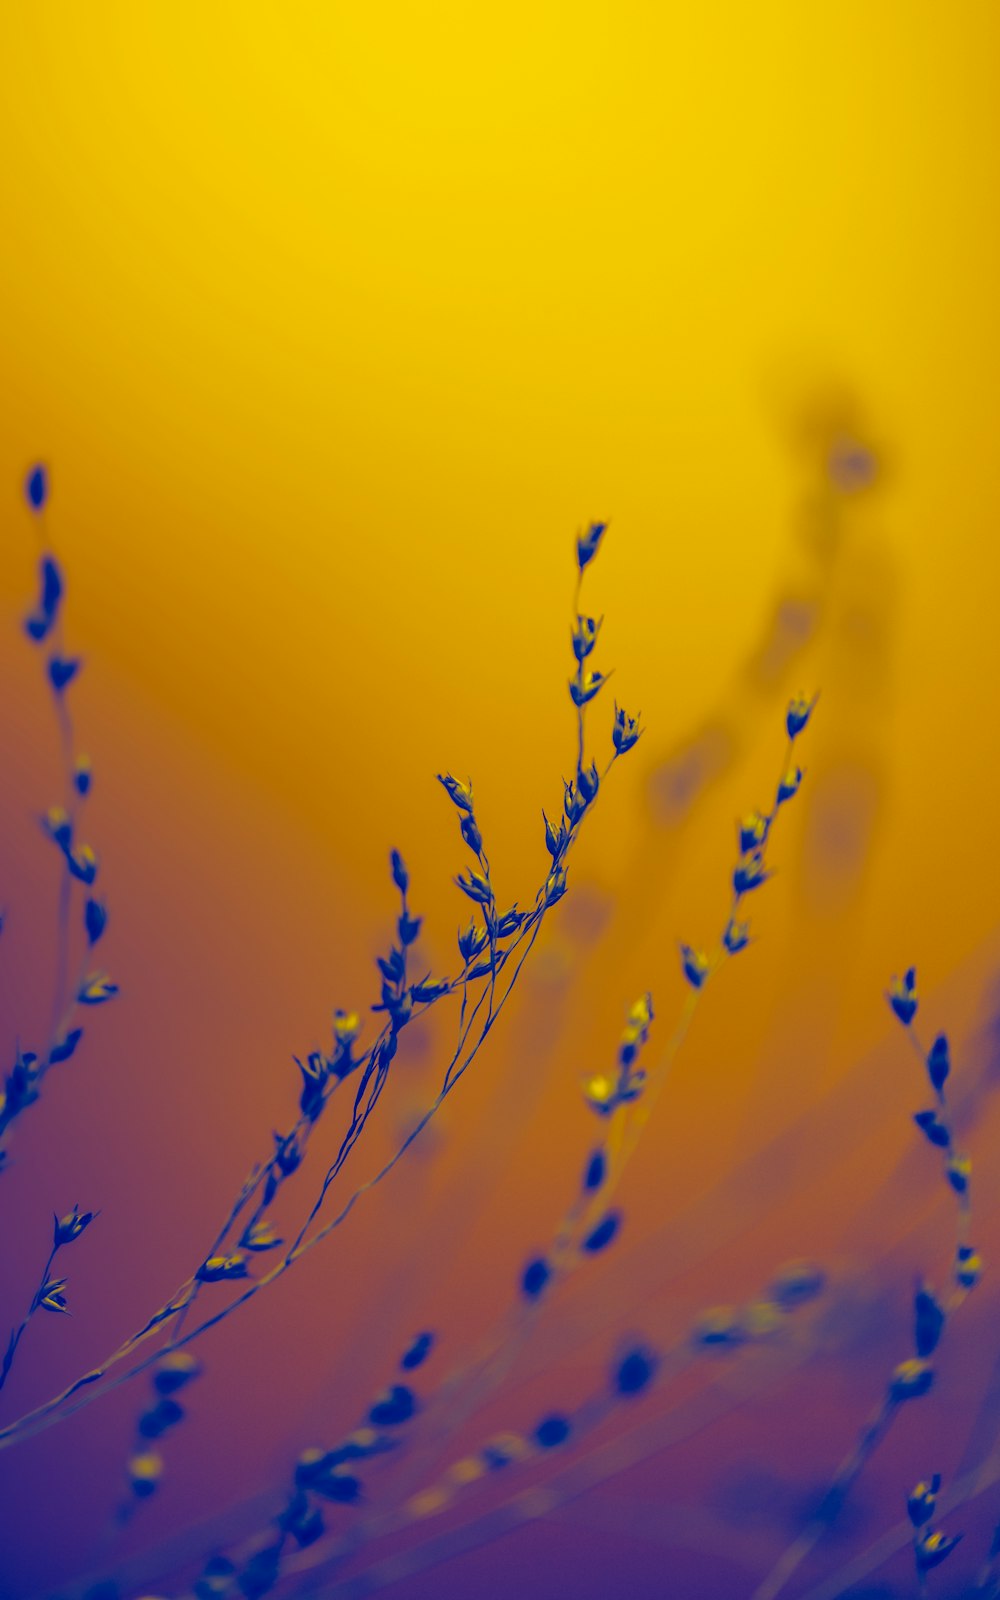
172, 1373
321, 1479
605, 1091
80, 862
751, 870
935, 1125
726, 1328
51, 1292
930, 1548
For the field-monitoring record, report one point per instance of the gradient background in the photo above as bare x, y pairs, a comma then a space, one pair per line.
334, 323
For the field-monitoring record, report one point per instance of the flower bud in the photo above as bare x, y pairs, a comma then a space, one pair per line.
459, 793
71, 1226
902, 996
696, 965
588, 543
798, 714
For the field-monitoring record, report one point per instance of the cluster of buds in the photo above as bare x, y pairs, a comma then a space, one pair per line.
752, 835
21, 1083
20, 1086
605, 1091
51, 1292
395, 994
42, 620
328, 1477
396, 997
81, 860
935, 1126
929, 1547
723, 1328
474, 881
145, 1465
751, 868
587, 682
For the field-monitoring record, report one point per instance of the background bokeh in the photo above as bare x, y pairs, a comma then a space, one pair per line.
333, 325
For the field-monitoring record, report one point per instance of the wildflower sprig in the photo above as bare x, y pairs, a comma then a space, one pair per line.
700, 966
753, 835
930, 1547
935, 1124
586, 682
79, 862
325, 1482
162, 1413
914, 1376
51, 1292
511, 942
635, 1367
620, 1098
605, 1092
591, 1224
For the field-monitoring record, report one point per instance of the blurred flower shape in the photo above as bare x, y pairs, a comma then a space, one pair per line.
902, 996
910, 1380
50, 1296
796, 1283
753, 831
626, 730
36, 486
82, 775
82, 863
798, 714
555, 886
221, 1269
968, 1267
95, 918
469, 829
921, 1503
939, 1062
696, 965
145, 1469
750, 873
174, 1371
40, 623
459, 793
71, 1226
475, 886
259, 1235
588, 543
96, 988
959, 1173
585, 631
789, 785
589, 684
62, 670
933, 1548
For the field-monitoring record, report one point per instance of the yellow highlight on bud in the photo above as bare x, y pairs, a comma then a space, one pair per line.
427, 1502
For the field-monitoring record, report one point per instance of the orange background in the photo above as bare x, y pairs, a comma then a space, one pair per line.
333, 325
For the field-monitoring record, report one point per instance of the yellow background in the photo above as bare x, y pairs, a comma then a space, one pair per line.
334, 324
